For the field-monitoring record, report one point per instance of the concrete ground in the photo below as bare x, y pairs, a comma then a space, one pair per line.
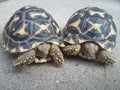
76, 74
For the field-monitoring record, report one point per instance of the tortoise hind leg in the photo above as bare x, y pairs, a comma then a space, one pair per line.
105, 57
25, 58
56, 54
71, 49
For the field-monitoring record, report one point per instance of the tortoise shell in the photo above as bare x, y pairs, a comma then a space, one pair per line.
29, 27
91, 24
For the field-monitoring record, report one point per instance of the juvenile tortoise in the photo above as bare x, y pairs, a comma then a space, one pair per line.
34, 35
90, 33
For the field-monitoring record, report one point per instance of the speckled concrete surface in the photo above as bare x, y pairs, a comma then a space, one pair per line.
76, 74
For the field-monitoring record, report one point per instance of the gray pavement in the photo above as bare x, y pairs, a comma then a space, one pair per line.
76, 74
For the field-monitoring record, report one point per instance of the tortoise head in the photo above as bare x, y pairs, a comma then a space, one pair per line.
89, 50
43, 50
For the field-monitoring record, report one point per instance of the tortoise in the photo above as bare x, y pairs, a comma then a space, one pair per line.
34, 36
91, 34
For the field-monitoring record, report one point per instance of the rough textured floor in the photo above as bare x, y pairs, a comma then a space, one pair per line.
76, 74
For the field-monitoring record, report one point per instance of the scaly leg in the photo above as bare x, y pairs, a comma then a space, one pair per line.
25, 58
56, 54
71, 49
105, 57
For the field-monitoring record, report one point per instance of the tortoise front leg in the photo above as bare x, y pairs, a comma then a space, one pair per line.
56, 54
71, 49
25, 58
105, 57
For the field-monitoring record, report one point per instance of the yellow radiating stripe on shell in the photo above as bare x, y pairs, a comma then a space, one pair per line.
73, 15
100, 13
34, 14
27, 7
57, 29
42, 27
76, 25
35, 44
55, 42
94, 26
14, 20
7, 49
112, 30
21, 31
13, 50
69, 39
81, 40
22, 49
